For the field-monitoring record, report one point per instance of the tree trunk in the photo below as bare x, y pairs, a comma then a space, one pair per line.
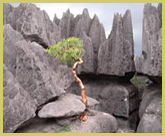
83, 116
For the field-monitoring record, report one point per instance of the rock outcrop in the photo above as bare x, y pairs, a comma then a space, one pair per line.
90, 31
116, 54
7, 8
115, 97
98, 123
150, 110
40, 75
66, 105
35, 84
97, 34
18, 106
65, 24
150, 62
33, 24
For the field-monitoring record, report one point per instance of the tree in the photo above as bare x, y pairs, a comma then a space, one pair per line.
70, 51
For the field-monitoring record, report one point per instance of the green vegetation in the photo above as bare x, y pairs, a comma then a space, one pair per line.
68, 50
139, 81
65, 128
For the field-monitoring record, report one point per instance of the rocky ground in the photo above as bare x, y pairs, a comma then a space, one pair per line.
40, 95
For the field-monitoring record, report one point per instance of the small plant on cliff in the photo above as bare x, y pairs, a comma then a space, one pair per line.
70, 51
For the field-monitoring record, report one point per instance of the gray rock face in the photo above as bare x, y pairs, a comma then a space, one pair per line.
92, 103
116, 54
65, 106
150, 62
33, 24
65, 24
90, 31
128, 125
148, 95
88, 58
40, 75
98, 123
7, 8
151, 111
97, 34
114, 97
82, 24
18, 106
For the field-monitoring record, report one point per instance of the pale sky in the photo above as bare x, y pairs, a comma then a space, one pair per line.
105, 12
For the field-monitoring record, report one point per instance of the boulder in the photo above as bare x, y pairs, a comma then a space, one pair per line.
151, 111
18, 106
98, 123
34, 24
65, 106
149, 93
128, 125
39, 74
92, 103
115, 97
150, 61
116, 54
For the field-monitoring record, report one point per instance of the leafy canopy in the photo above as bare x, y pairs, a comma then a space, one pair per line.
68, 50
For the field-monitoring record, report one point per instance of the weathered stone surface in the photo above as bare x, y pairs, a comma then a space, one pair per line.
7, 8
56, 20
98, 123
115, 97
151, 111
97, 34
82, 24
18, 106
34, 24
88, 58
116, 55
151, 92
65, 106
65, 24
150, 62
39, 74
92, 103
128, 125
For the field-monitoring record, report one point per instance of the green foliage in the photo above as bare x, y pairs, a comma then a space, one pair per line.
138, 82
68, 50
65, 128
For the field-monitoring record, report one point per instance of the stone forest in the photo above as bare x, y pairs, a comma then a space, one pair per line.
40, 94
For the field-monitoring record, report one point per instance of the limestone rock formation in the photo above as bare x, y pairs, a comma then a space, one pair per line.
97, 34
33, 24
82, 24
88, 59
18, 106
65, 24
92, 103
90, 31
128, 125
66, 105
98, 123
114, 97
116, 54
150, 62
150, 111
7, 8
40, 75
